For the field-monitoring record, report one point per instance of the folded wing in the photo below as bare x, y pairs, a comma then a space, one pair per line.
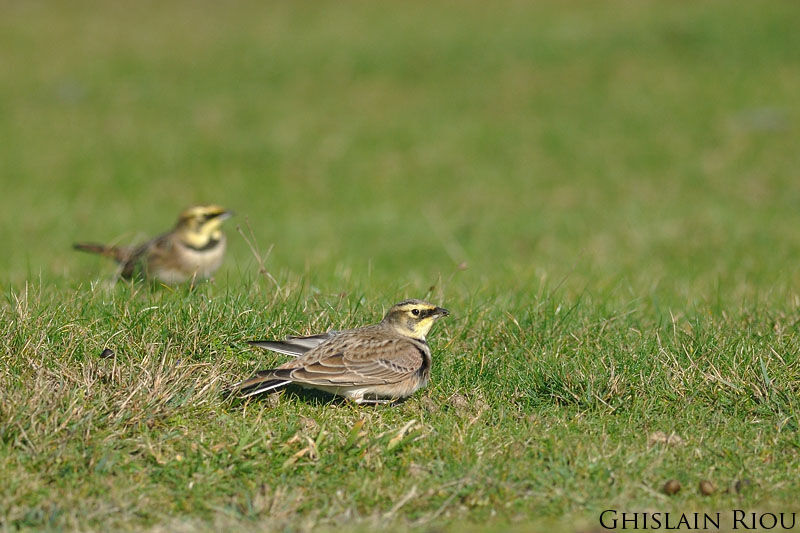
295, 346
354, 361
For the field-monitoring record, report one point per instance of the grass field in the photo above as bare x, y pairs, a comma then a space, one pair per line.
605, 195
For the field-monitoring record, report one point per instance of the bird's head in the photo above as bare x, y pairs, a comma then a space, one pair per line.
200, 225
414, 318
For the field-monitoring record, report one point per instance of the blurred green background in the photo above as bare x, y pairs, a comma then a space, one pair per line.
638, 144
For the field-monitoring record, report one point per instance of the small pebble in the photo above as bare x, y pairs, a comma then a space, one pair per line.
706, 488
107, 353
672, 487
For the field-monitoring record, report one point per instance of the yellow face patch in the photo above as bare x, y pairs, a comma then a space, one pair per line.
414, 318
200, 225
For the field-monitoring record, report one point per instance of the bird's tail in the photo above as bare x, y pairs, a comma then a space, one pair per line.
116, 253
263, 381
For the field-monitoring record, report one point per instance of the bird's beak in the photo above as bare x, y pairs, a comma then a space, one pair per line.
441, 311
225, 215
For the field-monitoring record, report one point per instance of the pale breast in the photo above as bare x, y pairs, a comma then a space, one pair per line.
183, 263
203, 262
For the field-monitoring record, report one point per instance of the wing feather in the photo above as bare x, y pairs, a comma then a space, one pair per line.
352, 360
295, 346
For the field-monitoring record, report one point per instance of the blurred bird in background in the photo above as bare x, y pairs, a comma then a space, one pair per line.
193, 249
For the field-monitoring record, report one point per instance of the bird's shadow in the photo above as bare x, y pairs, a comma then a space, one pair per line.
313, 397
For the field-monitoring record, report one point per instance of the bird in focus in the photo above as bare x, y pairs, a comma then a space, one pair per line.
193, 249
379, 363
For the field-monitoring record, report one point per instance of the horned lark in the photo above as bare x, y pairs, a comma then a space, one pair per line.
380, 363
193, 249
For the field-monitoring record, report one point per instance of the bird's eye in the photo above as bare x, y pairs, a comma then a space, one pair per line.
415, 312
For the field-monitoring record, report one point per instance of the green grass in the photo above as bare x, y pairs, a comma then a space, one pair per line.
619, 180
